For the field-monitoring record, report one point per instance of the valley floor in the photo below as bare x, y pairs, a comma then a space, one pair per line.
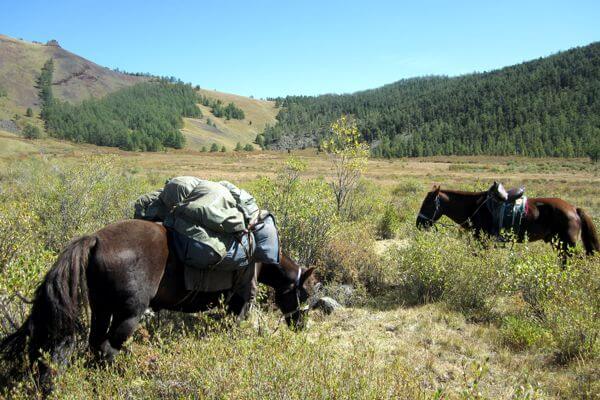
383, 349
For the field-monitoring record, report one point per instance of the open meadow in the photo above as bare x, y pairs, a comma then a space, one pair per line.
430, 314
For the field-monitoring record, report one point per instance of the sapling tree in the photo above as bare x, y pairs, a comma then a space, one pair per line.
349, 157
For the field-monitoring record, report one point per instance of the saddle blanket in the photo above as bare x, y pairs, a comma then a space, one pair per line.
215, 280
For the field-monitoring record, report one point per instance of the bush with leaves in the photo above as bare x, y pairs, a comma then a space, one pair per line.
305, 210
389, 223
349, 257
349, 157
69, 200
31, 132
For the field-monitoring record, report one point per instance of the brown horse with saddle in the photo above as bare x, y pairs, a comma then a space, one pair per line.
495, 210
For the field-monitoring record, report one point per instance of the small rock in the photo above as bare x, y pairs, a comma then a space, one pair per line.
391, 328
327, 305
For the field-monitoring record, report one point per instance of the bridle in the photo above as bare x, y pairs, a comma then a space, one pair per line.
296, 289
437, 208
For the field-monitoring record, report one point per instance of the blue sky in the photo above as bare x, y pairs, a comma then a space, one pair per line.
272, 48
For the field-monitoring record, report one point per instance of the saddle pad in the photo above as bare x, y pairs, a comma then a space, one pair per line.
208, 280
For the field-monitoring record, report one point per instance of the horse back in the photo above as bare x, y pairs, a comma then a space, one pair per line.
129, 259
553, 203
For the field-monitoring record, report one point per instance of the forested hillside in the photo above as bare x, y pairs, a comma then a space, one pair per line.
146, 116
545, 107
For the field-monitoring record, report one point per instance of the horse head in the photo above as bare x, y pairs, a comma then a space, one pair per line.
430, 210
293, 286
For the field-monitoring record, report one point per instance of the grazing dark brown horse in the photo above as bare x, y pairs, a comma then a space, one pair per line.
121, 270
546, 219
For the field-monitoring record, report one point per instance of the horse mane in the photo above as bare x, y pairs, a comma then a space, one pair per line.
463, 193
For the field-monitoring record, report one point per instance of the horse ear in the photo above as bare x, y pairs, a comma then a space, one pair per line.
306, 274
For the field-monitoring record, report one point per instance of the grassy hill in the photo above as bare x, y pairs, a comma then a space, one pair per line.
258, 114
75, 78
544, 107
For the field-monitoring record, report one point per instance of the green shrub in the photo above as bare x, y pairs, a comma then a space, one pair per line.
521, 333
408, 187
70, 199
367, 203
23, 257
534, 275
421, 266
389, 222
572, 311
349, 257
473, 283
32, 132
304, 209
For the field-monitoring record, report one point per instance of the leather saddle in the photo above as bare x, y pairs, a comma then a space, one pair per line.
507, 207
503, 195
515, 194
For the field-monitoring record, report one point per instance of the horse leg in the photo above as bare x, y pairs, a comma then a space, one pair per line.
100, 322
123, 325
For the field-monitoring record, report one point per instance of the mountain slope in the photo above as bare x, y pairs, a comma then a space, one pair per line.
258, 114
75, 78
545, 107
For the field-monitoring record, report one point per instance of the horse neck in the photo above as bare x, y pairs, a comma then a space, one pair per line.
461, 205
279, 275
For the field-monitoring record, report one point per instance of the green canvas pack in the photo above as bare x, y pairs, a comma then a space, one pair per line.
211, 213
150, 207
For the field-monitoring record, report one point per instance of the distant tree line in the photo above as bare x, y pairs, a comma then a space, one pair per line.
230, 111
144, 117
546, 107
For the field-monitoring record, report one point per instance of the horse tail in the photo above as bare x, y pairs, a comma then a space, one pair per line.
589, 236
54, 319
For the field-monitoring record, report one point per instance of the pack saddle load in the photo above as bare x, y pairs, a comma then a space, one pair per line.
216, 227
